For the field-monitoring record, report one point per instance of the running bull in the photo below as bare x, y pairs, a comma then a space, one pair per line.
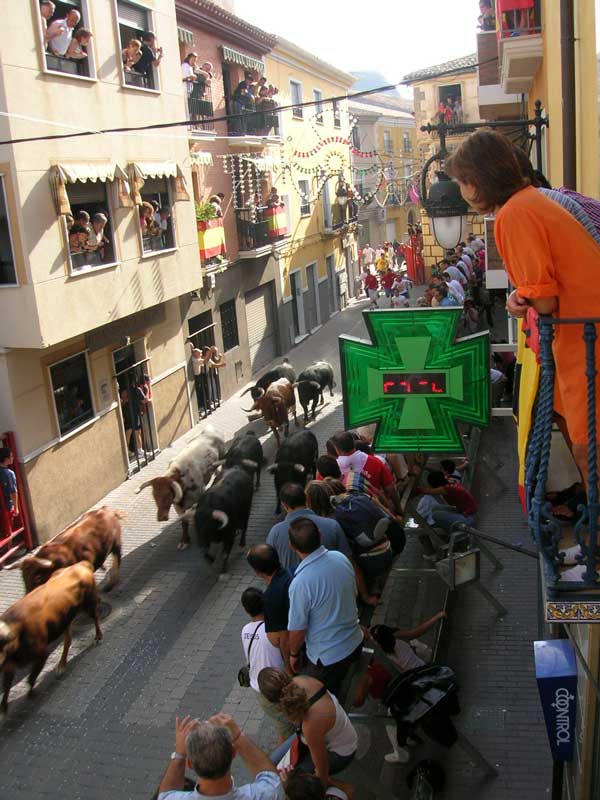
275, 404
311, 383
29, 626
284, 370
295, 459
245, 451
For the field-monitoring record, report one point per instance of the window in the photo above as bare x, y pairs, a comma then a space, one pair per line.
407, 169
450, 104
296, 94
139, 68
304, 190
67, 38
229, 326
327, 210
356, 138
337, 116
8, 274
91, 241
406, 143
318, 97
71, 393
388, 147
156, 217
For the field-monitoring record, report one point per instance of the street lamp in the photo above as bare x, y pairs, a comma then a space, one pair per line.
341, 195
447, 210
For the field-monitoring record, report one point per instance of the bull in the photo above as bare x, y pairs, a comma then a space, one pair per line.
295, 459
284, 370
275, 404
223, 510
311, 383
246, 451
93, 537
186, 479
29, 626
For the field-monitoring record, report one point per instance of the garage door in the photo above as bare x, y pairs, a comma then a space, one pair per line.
262, 328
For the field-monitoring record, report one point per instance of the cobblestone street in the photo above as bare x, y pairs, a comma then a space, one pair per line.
172, 646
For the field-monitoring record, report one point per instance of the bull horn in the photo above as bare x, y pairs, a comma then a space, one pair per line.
143, 486
221, 517
18, 564
247, 462
299, 467
43, 562
177, 492
272, 468
249, 389
260, 392
249, 410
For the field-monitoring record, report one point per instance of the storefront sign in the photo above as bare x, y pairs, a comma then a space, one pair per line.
556, 675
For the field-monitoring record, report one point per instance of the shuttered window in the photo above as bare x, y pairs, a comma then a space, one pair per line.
132, 16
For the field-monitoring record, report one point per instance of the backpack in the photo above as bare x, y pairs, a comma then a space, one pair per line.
358, 516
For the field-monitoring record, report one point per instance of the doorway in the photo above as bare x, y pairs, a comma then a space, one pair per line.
299, 327
332, 285
312, 298
134, 387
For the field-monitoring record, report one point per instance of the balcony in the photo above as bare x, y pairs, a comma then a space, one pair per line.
521, 46
253, 127
564, 524
494, 102
68, 66
337, 218
200, 108
260, 230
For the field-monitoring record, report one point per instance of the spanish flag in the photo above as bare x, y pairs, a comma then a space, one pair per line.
276, 221
211, 238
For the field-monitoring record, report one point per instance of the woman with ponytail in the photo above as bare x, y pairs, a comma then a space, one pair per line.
326, 736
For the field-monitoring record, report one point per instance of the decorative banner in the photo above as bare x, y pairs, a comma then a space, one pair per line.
415, 380
276, 221
556, 675
211, 238
413, 193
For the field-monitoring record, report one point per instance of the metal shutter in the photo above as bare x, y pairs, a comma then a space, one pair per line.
262, 330
134, 16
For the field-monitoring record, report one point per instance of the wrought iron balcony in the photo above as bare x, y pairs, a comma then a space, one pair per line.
200, 106
573, 589
252, 230
258, 120
69, 66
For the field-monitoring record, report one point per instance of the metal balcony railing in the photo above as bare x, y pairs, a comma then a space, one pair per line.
546, 529
252, 229
259, 120
200, 106
69, 66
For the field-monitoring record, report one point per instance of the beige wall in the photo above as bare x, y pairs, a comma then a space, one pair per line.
172, 410
93, 299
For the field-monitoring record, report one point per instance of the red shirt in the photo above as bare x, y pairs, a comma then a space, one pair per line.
387, 280
373, 469
371, 281
462, 500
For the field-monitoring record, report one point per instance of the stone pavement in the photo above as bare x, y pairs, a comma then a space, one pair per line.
172, 646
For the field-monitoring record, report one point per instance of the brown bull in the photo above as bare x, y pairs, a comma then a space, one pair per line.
91, 538
29, 626
275, 404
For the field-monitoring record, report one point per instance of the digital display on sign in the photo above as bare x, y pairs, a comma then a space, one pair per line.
415, 383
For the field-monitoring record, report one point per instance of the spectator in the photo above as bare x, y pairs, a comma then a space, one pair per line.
443, 298
146, 218
373, 469
293, 500
475, 242
470, 317
47, 9
265, 562
205, 73
464, 259
131, 54
83, 218
454, 288
8, 481
188, 71
323, 613
463, 505
453, 471
327, 467
239, 104
164, 216
453, 271
399, 300
151, 56
132, 421
80, 39
60, 32
487, 18
209, 749
96, 240
550, 259
78, 236
259, 653
304, 786
323, 725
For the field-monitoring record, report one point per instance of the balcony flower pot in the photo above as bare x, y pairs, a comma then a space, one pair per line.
211, 238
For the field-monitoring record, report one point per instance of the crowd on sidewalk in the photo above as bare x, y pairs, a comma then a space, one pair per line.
323, 563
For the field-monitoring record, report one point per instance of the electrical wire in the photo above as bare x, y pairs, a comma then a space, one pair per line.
227, 117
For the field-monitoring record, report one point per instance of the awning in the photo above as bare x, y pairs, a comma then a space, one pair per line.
82, 171
241, 59
263, 163
140, 171
201, 158
185, 36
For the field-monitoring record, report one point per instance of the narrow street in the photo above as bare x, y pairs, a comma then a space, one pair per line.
172, 646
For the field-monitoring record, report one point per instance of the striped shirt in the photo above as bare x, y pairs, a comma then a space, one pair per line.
566, 199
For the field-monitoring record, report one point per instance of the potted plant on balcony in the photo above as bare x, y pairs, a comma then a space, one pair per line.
211, 234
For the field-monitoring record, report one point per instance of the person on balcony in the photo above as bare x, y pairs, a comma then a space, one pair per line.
551, 260
131, 54
60, 32
238, 123
96, 240
188, 71
47, 9
151, 55
81, 39
487, 17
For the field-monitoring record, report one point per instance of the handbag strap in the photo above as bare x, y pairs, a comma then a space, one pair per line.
252, 639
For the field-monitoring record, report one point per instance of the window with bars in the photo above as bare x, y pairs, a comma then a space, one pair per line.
296, 95
229, 325
8, 274
304, 189
71, 392
138, 65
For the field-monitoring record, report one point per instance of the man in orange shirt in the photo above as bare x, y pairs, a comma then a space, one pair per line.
550, 258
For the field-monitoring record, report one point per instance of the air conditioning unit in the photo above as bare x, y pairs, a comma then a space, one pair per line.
381, 215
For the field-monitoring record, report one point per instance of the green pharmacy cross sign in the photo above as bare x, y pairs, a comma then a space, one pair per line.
416, 380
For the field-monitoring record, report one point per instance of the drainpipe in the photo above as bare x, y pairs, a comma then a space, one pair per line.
567, 61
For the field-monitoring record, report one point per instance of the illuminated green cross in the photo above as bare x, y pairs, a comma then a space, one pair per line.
416, 380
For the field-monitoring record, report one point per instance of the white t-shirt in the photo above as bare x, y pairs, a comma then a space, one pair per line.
356, 462
368, 255
263, 653
456, 275
186, 72
457, 290
60, 44
404, 657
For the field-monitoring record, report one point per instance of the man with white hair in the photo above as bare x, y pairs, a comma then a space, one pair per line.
47, 9
209, 749
60, 32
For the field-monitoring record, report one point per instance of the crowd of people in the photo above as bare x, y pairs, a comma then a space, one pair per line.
450, 111
253, 103
88, 243
327, 557
64, 36
156, 225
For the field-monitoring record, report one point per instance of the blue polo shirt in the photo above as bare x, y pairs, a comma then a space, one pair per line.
323, 603
332, 537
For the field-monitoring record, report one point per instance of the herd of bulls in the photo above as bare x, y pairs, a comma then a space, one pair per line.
206, 483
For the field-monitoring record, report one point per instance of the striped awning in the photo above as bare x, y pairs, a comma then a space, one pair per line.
263, 163
201, 158
185, 36
71, 172
241, 59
